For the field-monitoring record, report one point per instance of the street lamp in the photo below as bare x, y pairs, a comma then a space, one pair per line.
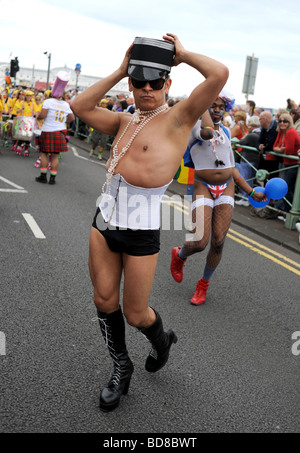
77, 71
48, 73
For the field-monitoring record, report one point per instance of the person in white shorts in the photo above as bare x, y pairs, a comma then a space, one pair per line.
209, 151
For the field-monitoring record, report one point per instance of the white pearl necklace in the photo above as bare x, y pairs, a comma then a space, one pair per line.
218, 138
142, 117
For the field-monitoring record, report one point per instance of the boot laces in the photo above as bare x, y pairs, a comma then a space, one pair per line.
116, 376
177, 265
104, 328
201, 287
154, 353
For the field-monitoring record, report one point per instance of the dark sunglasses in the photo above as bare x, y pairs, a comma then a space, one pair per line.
283, 121
156, 84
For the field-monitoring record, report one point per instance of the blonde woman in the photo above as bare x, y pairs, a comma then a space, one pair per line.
287, 142
240, 129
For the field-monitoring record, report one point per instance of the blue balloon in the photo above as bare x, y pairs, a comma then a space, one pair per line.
276, 188
258, 204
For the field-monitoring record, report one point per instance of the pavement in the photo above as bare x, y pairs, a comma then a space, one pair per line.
272, 229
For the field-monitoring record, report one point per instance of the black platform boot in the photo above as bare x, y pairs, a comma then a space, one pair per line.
52, 179
42, 178
161, 343
113, 330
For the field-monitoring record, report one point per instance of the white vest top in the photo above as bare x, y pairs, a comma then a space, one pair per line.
133, 207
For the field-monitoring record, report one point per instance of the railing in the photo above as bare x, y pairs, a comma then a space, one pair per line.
293, 216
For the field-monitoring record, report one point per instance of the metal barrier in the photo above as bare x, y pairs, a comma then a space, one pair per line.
6, 130
293, 216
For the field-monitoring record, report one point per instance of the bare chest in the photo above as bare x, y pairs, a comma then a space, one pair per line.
141, 146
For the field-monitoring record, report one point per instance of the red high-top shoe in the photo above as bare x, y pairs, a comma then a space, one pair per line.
200, 293
177, 265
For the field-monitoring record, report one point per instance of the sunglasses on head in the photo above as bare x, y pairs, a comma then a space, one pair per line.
156, 84
283, 121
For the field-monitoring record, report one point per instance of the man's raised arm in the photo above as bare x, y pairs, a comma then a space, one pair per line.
85, 104
215, 73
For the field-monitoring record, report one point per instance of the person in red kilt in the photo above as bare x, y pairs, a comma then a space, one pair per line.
56, 113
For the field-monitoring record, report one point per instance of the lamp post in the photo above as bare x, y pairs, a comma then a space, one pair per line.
77, 71
48, 73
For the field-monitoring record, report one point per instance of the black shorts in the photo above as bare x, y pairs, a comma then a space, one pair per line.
132, 242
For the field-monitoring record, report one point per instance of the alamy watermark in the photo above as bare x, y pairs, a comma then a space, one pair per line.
296, 344
138, 211
2, 343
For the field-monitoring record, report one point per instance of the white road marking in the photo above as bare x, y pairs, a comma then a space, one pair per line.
34, 226
18, 189
75, 152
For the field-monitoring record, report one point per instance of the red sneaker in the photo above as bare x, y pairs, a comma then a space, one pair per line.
200, 293
177, 265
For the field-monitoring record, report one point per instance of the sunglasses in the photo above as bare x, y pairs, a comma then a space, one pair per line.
156, 84
283, 121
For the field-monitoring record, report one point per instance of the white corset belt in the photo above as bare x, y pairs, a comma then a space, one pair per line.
127, 206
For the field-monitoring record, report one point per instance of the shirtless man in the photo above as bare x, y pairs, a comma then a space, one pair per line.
145, 155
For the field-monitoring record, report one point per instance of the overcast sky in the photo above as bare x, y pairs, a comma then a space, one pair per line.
96, 34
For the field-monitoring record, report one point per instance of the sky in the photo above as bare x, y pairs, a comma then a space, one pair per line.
97, 33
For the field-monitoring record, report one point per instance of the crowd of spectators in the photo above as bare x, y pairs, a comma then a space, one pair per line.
22, 102
267, 134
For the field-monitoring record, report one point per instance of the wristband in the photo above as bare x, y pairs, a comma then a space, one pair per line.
251, 194
207, 127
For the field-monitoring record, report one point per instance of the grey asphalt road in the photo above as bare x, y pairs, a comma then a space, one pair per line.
232, 370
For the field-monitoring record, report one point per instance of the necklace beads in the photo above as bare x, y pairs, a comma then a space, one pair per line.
141, 118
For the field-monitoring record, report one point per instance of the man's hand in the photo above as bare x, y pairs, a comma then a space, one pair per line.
179, 49
125, 62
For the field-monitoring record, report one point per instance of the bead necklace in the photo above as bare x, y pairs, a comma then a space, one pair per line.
142, 117
217, 138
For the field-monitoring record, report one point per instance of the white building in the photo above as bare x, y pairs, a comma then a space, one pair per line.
37, 78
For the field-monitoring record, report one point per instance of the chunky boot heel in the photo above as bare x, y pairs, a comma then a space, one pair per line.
118, 385
126, 388
161, 344
113, 330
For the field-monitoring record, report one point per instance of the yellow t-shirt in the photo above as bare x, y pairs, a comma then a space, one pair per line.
9, 104
1, 108
27, 110
16, 105
37, 107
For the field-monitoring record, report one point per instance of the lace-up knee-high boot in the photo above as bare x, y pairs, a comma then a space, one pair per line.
161, 343
113, 330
